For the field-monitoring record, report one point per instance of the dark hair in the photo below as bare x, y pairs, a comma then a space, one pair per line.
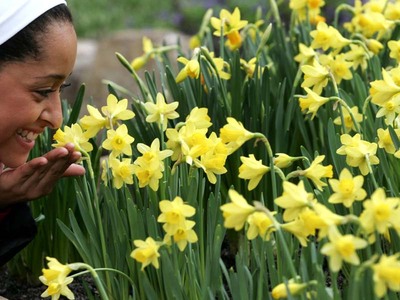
25, 44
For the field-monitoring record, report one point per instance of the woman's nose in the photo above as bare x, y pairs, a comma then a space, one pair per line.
52, 112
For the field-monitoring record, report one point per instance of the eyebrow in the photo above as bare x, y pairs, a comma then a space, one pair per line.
54, 76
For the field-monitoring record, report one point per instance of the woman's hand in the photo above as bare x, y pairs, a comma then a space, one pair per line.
37, 177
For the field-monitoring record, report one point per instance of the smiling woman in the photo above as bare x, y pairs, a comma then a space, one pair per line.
37, 54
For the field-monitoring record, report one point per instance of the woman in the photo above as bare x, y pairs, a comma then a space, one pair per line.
37, 54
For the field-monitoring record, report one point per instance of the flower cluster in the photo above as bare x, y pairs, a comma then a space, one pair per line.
177, 228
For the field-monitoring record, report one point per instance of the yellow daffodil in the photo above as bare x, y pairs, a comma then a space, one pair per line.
380, 213
116, 110
339, 66
374, 46
316, 171
295, 288
146, 252
234, 134
191, 69
300, 228
348, 119
74, 135
174, 214
236, 212
282, 160
183, 235
94, 122
306, 55
260, 224
294, 199
383, 90
213, 161
229, 25
122, 171
56, 279
325, 37
394, 47
194, 142
253, 170
347, 189
390, 109
358, 57
359, 153
148, 168
342, 248
385, 140
315, 77
119, 141
199, 117
140, 61
161, 111
386, 274
307, 9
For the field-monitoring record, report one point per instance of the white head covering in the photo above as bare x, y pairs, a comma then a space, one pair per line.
16, 14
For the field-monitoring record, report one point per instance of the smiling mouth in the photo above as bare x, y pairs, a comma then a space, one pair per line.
27, 135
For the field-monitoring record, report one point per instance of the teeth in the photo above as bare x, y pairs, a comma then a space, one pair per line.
27, 135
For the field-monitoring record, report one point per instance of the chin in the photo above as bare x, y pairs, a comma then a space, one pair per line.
14, 162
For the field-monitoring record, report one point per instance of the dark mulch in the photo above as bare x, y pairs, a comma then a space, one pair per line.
13, 289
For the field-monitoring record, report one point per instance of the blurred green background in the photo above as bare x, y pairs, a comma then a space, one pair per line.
96, 18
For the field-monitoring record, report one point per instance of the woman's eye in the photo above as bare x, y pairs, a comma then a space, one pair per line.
63, 86
45, 93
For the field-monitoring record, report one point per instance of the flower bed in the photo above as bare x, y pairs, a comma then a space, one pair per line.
277, 143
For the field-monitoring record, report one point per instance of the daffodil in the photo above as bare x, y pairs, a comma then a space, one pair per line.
316, 171
118, 141
56, 279
298, 227
358, 57
325, 37
122, 171
234, 134
359, 153
74, 135
348, 119
191, 69
213, 161
161, 111
347, 189
260, 224
307, 9
94, 122
199, 117
394, 47
385, 140
194, 142
380, 213
295, 288
342, 248
116, 110
383, 90
146, 252
253, 170
229, 25
294, 199
148, 168
148, 53
174, 214
389, 109
339, 66
316, 77
237, 211
282, 160
184, 234
386, 274
306, 55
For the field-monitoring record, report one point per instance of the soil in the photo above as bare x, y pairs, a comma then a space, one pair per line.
14, 289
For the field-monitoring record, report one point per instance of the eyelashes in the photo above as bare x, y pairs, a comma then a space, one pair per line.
46, 92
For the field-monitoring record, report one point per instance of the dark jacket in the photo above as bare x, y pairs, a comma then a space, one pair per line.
17, 229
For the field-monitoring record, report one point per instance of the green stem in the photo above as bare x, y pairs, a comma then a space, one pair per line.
99, 221
347, 107
371, 172
338, 10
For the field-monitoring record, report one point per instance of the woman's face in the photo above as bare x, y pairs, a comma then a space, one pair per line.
30, 93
